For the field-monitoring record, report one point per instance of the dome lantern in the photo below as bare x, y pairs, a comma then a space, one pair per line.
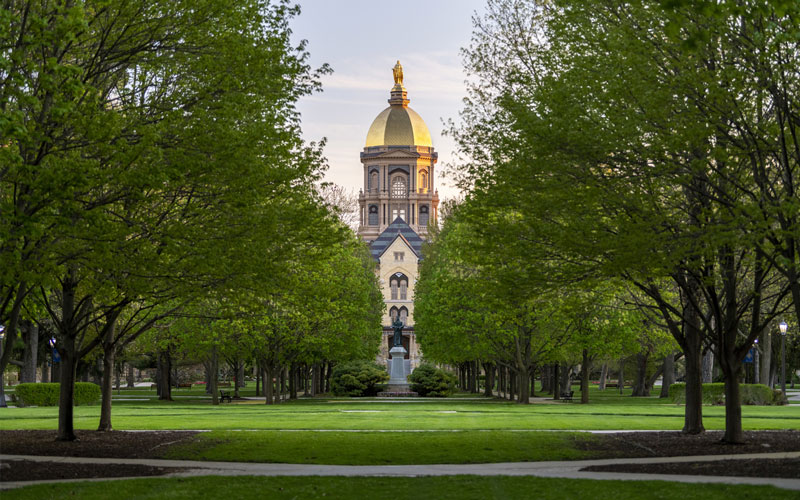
398, 125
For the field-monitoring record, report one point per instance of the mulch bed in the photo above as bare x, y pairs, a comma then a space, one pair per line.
674, 444
616, 445
26, 470
115, 444
784, 468
677, 444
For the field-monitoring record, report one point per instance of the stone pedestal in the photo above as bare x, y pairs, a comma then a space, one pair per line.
397, 370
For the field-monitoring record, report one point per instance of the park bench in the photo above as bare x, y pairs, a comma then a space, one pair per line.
184, 385
225, 395
223, 384
567, 395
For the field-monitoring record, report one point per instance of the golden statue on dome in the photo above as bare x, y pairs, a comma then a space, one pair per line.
397, 71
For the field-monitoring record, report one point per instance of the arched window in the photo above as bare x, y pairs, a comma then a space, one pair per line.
373, 181
373, 215
393, 312
404, 315
398, 187
423, 215
399, 282
423, 181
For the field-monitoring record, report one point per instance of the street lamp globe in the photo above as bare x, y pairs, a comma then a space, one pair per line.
783, 327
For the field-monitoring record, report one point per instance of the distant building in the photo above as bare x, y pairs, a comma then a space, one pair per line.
397, 204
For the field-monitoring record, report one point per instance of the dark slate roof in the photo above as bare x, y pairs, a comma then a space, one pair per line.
395, 229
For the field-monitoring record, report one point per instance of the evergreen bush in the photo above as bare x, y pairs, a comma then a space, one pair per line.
357, 378
427, 380
28, 394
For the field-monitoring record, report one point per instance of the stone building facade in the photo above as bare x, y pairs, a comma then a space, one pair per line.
397, 203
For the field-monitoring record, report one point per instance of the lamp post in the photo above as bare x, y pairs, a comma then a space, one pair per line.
783, 327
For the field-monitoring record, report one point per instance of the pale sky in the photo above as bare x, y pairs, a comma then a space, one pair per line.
361, 40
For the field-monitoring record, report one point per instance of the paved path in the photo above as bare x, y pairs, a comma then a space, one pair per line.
566, 469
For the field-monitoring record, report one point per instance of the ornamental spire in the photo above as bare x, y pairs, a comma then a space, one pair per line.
399, 96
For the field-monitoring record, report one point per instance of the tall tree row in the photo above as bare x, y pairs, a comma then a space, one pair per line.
150, 161
651, 142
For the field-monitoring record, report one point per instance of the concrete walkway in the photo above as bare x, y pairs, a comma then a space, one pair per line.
564, 469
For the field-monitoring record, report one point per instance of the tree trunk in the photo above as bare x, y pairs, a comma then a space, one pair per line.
106, 389
282, 392
130, 377
29, 359
488, 369
523, 387
640, 388
693, 412
164, 374
328, 374
708, 367
585, 377
257, 371
556, 382
621, 379
293, 375
69, 359
269, 385
765, 345
236, 377
566, 378
603, 376
733, 406
66, 400
668, 375
214, 376
547, 377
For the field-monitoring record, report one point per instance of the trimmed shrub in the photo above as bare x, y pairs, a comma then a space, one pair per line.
86, 393
357, 378
757, 394
714, 394
427, 380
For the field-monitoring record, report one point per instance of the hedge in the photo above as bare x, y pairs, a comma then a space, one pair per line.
86, 393
714, 394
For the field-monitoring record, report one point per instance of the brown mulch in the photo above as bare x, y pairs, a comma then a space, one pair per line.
26, 470
788, 468
616, 445
677, 444
114, 444
674, 444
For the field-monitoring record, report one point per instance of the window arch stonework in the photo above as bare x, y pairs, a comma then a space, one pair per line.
399, 187
398, 285
373, 215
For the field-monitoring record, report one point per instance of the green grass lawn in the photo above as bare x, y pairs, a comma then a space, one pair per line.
420, 488
455, 430
382, 448
607, 411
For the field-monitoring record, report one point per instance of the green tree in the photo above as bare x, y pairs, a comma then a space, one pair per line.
156, 136
615, 130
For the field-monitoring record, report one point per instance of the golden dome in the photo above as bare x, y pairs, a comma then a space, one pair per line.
398, 125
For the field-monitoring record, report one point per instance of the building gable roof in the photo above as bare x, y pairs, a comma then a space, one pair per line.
397, 229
